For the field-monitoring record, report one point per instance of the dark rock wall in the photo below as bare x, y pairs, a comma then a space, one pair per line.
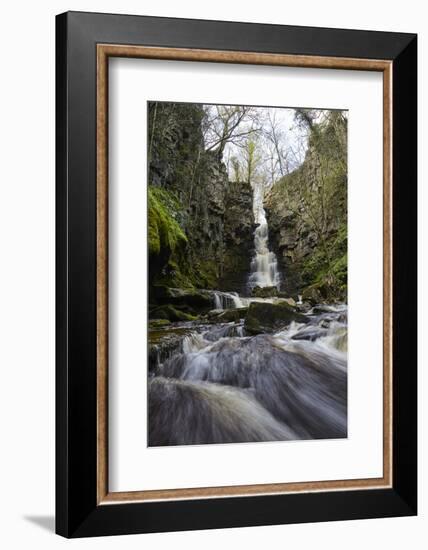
239, 227
214, 214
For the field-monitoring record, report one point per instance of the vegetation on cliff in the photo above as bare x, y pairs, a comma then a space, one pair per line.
307, 210
200, 224
165, 234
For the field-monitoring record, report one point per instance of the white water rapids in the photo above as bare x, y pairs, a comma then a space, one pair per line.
264, 266
214, 384
221, 386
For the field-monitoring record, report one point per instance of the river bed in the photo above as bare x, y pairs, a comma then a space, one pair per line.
216, 384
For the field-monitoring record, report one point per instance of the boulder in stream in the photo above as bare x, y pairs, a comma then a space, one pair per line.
227, 315
264, 291
264, 317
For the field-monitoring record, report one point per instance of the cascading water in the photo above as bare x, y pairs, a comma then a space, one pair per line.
211, 383
264, 266
222, 387
226, 300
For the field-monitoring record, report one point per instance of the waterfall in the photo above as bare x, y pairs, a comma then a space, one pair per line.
264, 266
226, 300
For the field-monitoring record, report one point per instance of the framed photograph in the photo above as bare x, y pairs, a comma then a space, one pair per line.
236, 274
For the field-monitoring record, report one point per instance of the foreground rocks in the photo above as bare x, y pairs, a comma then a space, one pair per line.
263, 317
164, 342
227, 315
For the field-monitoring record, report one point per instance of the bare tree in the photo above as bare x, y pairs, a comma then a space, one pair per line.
227, 124
275, 136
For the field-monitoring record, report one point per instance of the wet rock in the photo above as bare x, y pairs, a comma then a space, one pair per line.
264, 317
171, 313
312, 295
163, 343
229, 315
321, 309
213, 313
304, 307
290, 301
158, 323
264, 292
192, 298
309, 333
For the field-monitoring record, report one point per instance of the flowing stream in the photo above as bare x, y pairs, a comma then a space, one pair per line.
264, 266
221, 386
212, 383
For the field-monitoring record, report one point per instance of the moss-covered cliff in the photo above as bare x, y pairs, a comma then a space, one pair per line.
200, 224
307, 215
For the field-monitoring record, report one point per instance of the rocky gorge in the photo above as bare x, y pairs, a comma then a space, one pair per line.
247, 284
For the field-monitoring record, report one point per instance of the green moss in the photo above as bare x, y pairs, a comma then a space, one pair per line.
340, 268
329, 274
180, 273
206, 274
171, 313
159, 323
167, 244
172, 275
164, 230
316, 210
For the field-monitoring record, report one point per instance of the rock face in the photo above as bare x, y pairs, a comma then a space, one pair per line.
263, 317
239, 227
306, 212
200, 224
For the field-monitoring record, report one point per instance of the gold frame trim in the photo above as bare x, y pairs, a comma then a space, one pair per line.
104, 51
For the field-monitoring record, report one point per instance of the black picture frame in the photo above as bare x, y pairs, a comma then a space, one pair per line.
77, 511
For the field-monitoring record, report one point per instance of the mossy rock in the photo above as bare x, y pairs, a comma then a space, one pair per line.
325, 291
191, 298
263, 317
312, 294
290, 301
164, 230
264, 291
171, 313
163, 343
229, 315
157, 323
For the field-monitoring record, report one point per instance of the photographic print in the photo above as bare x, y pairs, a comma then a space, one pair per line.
247, 257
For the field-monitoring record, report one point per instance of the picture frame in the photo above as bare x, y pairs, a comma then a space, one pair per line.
84, 44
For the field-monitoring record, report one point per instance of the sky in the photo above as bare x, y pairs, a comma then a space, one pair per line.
293, 141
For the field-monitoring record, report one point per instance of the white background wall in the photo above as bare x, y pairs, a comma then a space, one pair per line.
27, 89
